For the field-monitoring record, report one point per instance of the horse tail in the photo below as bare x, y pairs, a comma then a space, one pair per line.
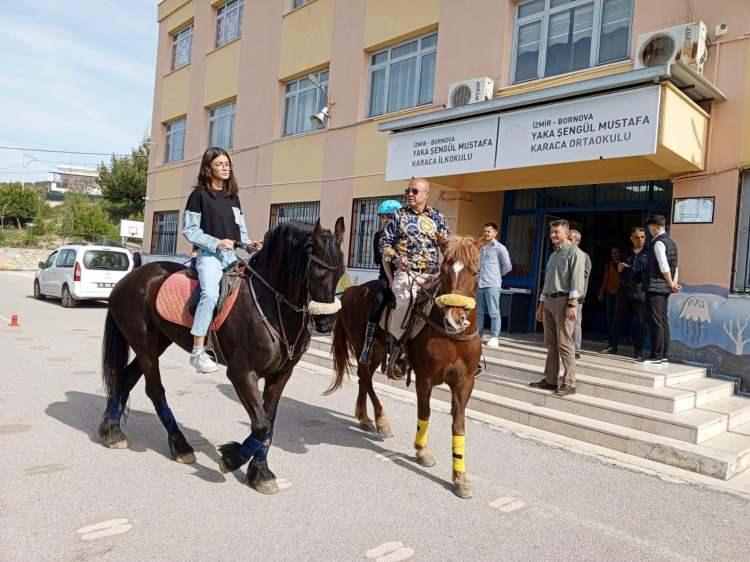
114, 357
340, 348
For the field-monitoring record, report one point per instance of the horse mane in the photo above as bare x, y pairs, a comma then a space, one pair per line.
285, 256
463, 249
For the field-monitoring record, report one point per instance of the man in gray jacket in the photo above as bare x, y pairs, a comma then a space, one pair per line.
575, 239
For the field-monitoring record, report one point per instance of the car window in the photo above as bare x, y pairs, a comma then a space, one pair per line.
66, 258
104, 259
50, 259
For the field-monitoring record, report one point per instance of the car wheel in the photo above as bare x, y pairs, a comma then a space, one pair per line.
38, 291
67, 299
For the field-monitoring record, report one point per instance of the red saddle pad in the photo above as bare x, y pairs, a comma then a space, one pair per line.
171, 302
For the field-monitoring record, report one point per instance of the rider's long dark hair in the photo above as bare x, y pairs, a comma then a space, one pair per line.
205, 176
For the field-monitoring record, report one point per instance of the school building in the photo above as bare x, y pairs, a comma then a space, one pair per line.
517, 111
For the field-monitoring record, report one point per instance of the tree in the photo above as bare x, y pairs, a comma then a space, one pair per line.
123, 183
18, 204
83, 218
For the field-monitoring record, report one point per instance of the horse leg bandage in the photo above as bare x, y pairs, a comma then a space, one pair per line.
459, 452
167, 418
421, 439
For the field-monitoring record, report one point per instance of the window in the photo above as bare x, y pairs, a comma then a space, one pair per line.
103, 259
557, 36
308, 211
221, 126
402, 76
365, 224
298, 3
302, 99
742, 251
229, 22
66, 258
50, 260
175, 142
182, 42
164, 233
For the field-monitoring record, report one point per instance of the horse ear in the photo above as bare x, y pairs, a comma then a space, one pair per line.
318, 230
339, 230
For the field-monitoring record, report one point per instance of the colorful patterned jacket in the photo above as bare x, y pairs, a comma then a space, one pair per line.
415, 236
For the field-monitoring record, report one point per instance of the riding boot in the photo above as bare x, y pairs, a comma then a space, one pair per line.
364, 357
396, 367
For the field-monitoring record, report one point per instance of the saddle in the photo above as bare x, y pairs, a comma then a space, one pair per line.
179, 295
420, 308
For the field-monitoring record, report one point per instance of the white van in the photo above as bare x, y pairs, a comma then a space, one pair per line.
74, 273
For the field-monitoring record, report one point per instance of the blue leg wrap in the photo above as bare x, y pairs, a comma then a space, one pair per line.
116, 406
167, 419
262, 453
250, 447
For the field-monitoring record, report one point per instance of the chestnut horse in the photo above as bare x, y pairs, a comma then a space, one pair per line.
292, 278
447, 350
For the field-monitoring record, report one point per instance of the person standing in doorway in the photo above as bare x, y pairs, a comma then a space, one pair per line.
631, 300
608, 294
494, 263
558, 306
575, 239
661, 281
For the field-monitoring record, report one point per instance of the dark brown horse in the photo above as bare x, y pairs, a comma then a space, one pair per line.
447, 350
296, 274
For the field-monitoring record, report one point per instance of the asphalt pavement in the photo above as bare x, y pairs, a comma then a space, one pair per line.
346, 494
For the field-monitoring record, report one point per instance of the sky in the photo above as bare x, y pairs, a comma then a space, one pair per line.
77, 75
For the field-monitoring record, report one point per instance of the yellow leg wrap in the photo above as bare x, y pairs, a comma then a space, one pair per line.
421, 439
459, 450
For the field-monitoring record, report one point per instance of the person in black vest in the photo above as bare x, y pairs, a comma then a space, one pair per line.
661, 282
631, 298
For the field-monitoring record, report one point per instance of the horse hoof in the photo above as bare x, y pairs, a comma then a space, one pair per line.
188, 458
223, 467
463, 488
367, 425
425, 458
121, 444
384, 429
268, 487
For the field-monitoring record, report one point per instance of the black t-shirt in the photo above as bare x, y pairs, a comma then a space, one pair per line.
220, 214
376, 253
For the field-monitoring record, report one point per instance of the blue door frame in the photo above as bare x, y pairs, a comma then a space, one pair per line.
645, 207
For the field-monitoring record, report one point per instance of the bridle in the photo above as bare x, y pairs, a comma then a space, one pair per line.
432, 296
280, 299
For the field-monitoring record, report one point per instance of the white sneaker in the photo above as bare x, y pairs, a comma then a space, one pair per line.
203, 362
493, 343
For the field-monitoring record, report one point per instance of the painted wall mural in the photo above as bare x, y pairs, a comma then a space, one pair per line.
707, 325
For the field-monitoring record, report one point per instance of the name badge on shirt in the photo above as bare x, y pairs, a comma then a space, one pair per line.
237, 215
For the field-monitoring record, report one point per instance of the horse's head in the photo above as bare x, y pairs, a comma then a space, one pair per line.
458, 283
325, 270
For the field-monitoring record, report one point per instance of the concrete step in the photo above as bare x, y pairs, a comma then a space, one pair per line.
610, 367
692, 426
670, 399
673, 398
736, 408
720, 456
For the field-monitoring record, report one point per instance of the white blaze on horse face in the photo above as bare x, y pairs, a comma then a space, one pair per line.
457, 268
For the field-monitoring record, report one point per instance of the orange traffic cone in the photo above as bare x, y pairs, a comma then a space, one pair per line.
14, 321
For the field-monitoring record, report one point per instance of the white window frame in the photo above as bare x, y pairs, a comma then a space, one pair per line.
170, 129
295, 94
544, 17
419, 53
221, 13
184, 34
213, 116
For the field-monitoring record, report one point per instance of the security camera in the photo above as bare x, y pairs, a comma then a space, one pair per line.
721, 29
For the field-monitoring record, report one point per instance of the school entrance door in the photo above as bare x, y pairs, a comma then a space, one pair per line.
603, 213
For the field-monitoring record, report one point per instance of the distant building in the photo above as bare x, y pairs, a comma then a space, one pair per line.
76, 179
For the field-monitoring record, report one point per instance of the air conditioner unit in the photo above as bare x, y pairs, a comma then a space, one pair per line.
683, 43
470, 91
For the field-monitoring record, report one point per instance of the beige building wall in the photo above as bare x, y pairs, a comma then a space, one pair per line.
348, 159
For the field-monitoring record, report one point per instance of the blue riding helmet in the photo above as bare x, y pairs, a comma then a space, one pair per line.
389, 207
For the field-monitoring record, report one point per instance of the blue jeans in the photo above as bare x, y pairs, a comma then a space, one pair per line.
210, 269
488, 302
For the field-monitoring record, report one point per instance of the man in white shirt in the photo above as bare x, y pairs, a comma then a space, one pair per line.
661, 282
